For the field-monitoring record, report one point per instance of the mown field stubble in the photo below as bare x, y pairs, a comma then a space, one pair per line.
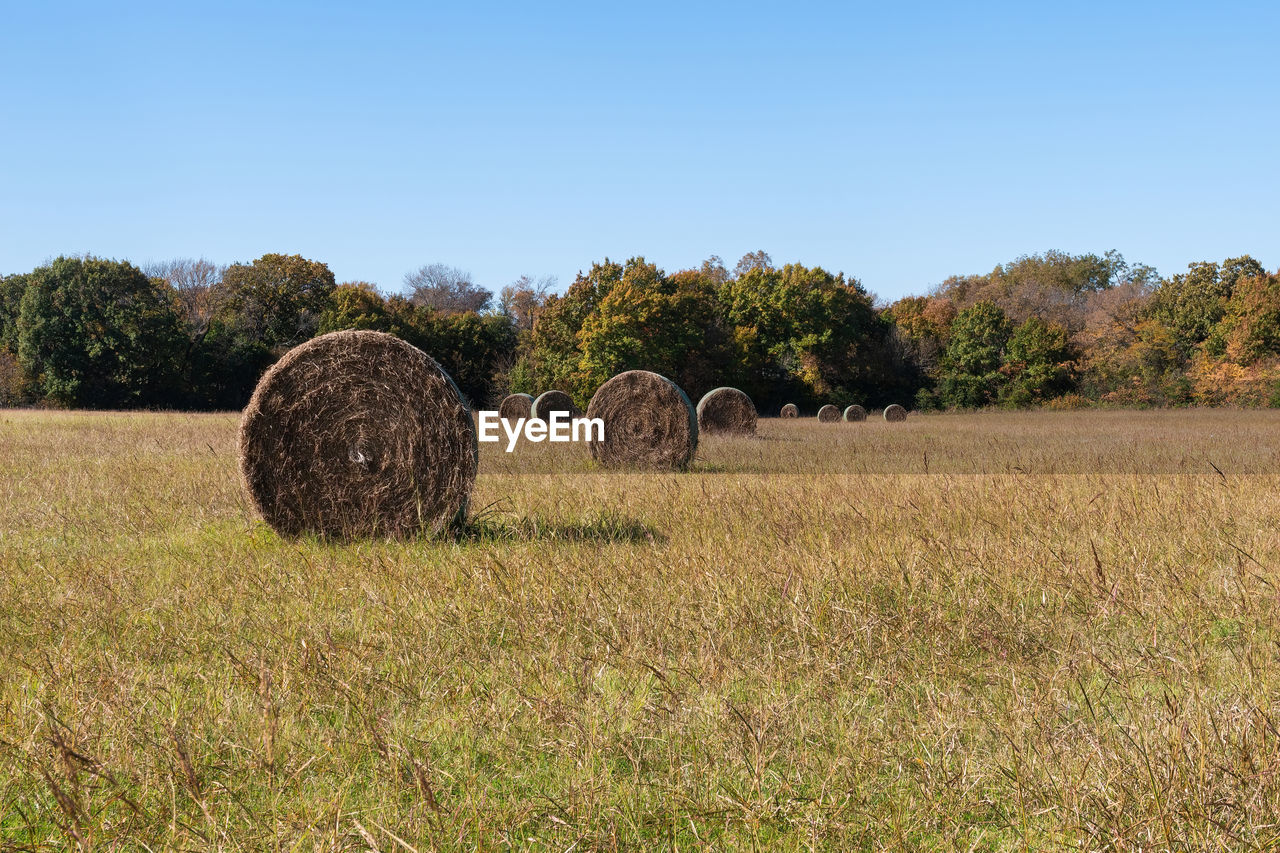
987, 632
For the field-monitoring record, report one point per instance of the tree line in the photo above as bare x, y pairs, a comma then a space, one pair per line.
1051, 329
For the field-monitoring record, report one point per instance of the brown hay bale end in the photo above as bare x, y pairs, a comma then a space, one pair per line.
828, 414
357, 434
895, 413
554, 401
855, 413
790, 410
727, 411
515, 406
648, 422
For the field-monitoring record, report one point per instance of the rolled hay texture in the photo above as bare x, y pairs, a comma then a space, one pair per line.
894, 413
554, 401
648, 422
828, 414
726, 411
790, 410
855, 413
357, 434
515, 406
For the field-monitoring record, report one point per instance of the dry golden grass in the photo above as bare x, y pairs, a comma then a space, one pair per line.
989, 632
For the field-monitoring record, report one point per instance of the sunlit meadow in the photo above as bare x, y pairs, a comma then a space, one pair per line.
975, 632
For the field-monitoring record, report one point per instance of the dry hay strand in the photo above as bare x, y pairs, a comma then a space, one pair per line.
648, 422
790, 410
828, 414
894, 413
515, 406
554, 401
357, 434
855, 413
727, 411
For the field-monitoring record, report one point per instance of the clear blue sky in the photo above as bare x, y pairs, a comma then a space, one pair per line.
898, 142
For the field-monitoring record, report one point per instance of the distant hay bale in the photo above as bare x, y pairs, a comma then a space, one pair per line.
790, 410
726, 411
357, 434
554, 401
894, 413
515, 406
648, 422
855, 413
828, 414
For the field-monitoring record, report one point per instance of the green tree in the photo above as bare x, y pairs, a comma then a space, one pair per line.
1250, 327
650, 321
472, 347
96, 333
762, 327
14, 383
1192, 303
12, 287
1066, 273
225, 365
355, 305
803, 333
971, 366
276, 301
260, 311
555, 351
1037, 362
1157, 364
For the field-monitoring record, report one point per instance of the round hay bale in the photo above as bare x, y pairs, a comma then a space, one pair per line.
648, 422
855, 413
828, 414
894, 413
727, 411
356, 434
515, 406
554, 401
790, 410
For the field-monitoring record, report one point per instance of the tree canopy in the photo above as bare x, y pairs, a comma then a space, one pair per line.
1045, 329
100, 334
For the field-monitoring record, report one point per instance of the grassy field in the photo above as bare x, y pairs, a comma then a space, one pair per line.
986, 632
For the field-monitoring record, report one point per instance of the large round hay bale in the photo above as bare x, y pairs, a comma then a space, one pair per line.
894, 413
515, 406
727, 411
790, 410
648, 422
828, 414
855, 413
554, 401
357, 434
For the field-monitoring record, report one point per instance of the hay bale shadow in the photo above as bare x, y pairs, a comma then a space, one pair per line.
603, 528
